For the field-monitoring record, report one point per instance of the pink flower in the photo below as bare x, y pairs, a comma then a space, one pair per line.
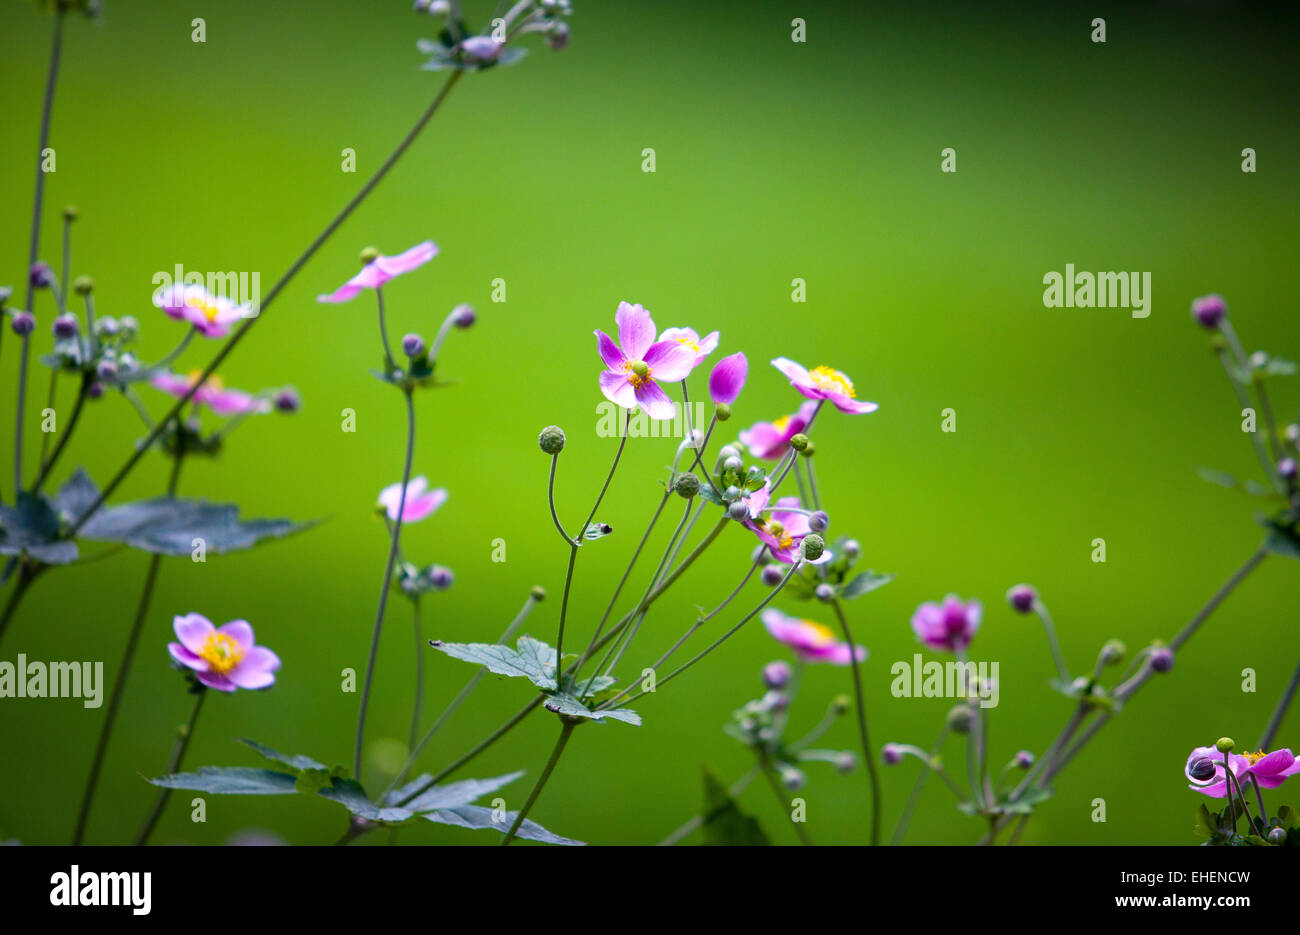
951, 626
702, 347
637, 362
212, 393
381, 269
824, 383
811, 641
419, 504
782, 530
211, 315
771, 440
1270, 770
727, 379
224, 657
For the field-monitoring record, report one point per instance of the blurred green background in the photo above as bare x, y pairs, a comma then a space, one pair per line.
775, 160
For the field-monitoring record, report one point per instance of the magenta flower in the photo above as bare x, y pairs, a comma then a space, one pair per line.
212, 393
224, 657
419, 503
1269, 770
951, 626
727, 379
381, 269
771, 440
824, 383
637, 362
781, 530
811, 641
211, 315
701, 346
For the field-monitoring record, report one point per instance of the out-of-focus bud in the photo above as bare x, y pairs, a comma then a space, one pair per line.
852, 548
1022, 598
1162, 659
465, 316
1209, 310
772, 575
22, 322
1112, 653
959, 719
538, 593
40, 275
1287, 468
412, 345
845, 762
891, 754
83, 285
841, 704
287, 400
776, 674
1024, 759
824, 593
819, 522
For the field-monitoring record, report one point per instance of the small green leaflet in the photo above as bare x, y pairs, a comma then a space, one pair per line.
570, 706
863, 583
532, 659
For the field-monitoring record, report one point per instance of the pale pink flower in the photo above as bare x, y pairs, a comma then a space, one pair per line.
225, 657
420, 501
381, 269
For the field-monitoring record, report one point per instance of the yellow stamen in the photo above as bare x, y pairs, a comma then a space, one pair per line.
212, 383
823, 633
832, 381
638, 376
1253, 758
209, 310
782, 422
221, 652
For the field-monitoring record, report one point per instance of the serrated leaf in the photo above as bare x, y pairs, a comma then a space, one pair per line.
452, 794
479, 818
168, 526
723, 822
31, 527
863, 583
349, 794
231, 780
570, 706
296, 761
533, 659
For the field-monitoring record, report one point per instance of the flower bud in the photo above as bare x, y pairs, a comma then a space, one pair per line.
772, 575
551, 440
1112, 653
792, 778
812, 547
412, 345
557, 37
1024, 759
287, 400
1209, 310
107, 371
1277, 836
465, 316
738, 510
1162, 659
481, 49
733, 464
687, 485
130, 326
845, 762
799, 442
824, 593
731, 493
723, 412
819, 522
1287, 468
1022, 598
95, 390
1224, 744
840, 704
852, 548
40, 275
809, 449
776, 674
891, 754
959, 719
65, 326
83, 285
369, 255
776, 701
440, 577
1201, 769
70, 213
22, 322
538, 593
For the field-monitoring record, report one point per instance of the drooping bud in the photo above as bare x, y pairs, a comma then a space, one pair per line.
819, 522
845, 762
557, 37
538, 593
812, 546
793, 779
1022, 598
891, 754
772, 575
687, 485
464, 316
1202, 769
551, 440
40, 275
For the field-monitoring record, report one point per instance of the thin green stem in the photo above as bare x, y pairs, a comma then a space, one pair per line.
173, 764
566, 730
1279, 712
861, 712
766, 769
66, 434
900, 829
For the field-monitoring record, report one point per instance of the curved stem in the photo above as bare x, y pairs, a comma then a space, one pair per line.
383, 331
275, 290
768, 774
861, 712
565, 732
550, 498
900, 829
173, 764
387, 584
66, 434
1279, 712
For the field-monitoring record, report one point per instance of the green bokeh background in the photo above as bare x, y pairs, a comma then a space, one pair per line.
775, 160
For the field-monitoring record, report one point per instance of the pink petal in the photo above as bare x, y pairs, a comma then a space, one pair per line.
231, 402
728, 379
344, 293
669, 361
241, 631
406, 261
850, 405
187, 658
192, 630
636, 330
421, 507
1276, 762
763, 439
617, 388
256, 670
839, 654
797, 374
655, 402
609, 351
219, 682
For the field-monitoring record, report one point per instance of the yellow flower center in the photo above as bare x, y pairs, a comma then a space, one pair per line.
832, 381
821, 631
221, 652
638, 372
209, 310
776, 531
781, 423
213, 382
1253, 758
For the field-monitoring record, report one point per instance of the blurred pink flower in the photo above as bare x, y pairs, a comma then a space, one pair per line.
951, 626
727, 378
211, 315
381, 269
212, 393
782, 530
638, 361
225, 657
771, 440
811, 641
824, 383
419, 503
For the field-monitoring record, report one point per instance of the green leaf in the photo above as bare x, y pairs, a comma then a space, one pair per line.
166, 526
1282, 541
1287, 818
1028, 801
723, 821
863, 583
452, 794
570, 706
32, 527
478, 817
1221, 478
296, 761
1205, 824
349, 794
532, 659
231, 780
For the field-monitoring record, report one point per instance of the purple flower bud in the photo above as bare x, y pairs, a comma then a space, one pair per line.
852, 548
776, 674
819, 522
739, 511
557, 37
824, 593
1162, 660
892, 754
40, 275
481, 48
1209, 310
65, 326
1024, 759
107, 371
287, 400
440, 577
22, 322
1022, 598
465, 316
106, 326
1287, 468
413, 345
772, 575
1201, 769
95, 390
793, 779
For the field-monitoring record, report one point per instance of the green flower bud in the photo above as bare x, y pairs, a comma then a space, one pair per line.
1112, 653
551, 440
799, 442
687, 485
812, 546
808, 449
70, 213
840, 704
1277, 836
369, 254
1224, 744
723, 412
538, 593
959, 719
83, 285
